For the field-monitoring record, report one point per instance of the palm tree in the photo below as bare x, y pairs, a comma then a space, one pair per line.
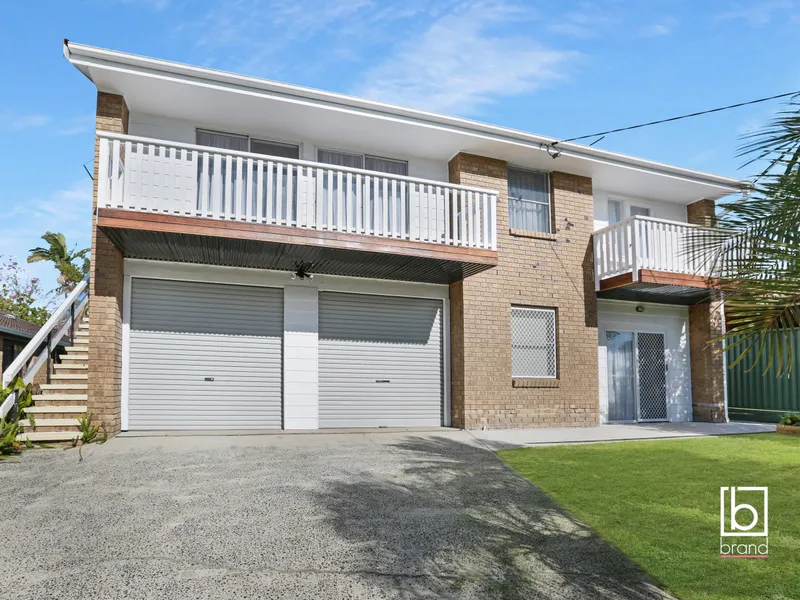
756, 250
59, 254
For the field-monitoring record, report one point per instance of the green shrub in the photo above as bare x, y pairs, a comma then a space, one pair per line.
790, 418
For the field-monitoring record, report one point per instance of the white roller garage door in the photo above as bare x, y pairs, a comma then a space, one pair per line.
204, 356
380, 361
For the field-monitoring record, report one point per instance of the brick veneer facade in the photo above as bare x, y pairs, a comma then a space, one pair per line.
705, 324
105, 292
543, 270
702, 212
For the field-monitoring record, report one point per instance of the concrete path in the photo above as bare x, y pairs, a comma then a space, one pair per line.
515, 438
382, 515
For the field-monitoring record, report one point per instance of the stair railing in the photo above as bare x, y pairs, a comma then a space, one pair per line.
39, 350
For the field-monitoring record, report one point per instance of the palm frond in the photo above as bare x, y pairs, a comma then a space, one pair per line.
754, 254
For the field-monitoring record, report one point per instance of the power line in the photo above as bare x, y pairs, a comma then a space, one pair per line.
695, 114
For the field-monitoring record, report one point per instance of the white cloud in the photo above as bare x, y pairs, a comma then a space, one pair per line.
76, 125
756, 14
152, 4
268, 38
68, 210
458, 64
663, 27
15, 123
589, 21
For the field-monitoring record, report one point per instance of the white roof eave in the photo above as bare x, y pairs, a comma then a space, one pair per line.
86, 57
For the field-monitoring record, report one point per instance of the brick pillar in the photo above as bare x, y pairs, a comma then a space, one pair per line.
105, 292
708, 369
702, 212
705, 324
552, 270
457, 354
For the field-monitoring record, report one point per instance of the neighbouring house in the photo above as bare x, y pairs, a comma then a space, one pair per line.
15, 334
270, 256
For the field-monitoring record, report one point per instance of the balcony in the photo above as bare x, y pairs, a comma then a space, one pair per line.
171, 201
647, 260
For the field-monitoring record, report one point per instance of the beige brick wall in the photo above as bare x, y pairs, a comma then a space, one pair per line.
105, 302
708, 369
705, 325
550, 271
702, 212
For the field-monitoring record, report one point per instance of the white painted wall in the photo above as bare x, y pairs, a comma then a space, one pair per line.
658, 209
300, 357
184, 131
673, 321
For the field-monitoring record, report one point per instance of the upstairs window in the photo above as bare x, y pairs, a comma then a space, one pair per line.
274, 148
243, 143
363, 161
386, 165
529, 201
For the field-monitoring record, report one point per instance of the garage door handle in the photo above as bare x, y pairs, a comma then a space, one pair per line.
383, 381
209, 379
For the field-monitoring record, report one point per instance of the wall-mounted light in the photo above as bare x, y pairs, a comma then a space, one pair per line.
640, 308
302, 271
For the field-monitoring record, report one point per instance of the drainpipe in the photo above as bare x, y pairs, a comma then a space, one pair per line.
724, 359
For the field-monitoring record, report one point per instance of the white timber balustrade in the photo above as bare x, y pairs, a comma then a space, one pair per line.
149, 175
639, 243
39, 350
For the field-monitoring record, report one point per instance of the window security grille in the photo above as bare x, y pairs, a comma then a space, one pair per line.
533, 342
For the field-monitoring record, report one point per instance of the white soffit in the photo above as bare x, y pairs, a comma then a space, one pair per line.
249, 105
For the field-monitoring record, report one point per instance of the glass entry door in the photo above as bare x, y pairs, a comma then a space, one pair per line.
637, 378
621, 376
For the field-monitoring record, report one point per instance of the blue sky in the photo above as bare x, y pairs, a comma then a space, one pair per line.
555, 68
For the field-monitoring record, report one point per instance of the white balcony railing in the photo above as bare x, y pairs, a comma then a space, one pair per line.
155, 176
646, 243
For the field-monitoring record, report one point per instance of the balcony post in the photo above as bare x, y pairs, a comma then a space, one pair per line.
634, 251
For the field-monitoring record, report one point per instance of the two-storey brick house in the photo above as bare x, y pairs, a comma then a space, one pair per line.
270, 256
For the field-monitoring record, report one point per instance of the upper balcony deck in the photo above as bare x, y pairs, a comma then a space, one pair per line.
168, 201
647, 259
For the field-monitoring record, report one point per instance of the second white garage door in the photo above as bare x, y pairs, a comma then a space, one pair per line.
204, 356
380, 361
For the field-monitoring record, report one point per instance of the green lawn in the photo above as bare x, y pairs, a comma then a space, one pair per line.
658, 502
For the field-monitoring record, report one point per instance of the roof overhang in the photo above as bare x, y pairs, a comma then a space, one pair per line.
226, 100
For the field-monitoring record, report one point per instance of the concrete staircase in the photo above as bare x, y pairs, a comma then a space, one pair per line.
63, 401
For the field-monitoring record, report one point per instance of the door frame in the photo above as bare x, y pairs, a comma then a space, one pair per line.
635, 331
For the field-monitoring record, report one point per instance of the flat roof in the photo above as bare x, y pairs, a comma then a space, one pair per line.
160, 87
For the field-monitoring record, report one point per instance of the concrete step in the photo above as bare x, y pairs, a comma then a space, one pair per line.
44, 423
72, 366
60, 397
49, 436
79, 345
81, 334
75, 356
57, 409
70, 377
58, 387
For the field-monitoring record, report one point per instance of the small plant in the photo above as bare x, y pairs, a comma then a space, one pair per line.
9, 445
24, 395
790, 418
89, 434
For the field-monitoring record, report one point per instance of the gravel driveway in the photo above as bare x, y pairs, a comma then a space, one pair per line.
377, 515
